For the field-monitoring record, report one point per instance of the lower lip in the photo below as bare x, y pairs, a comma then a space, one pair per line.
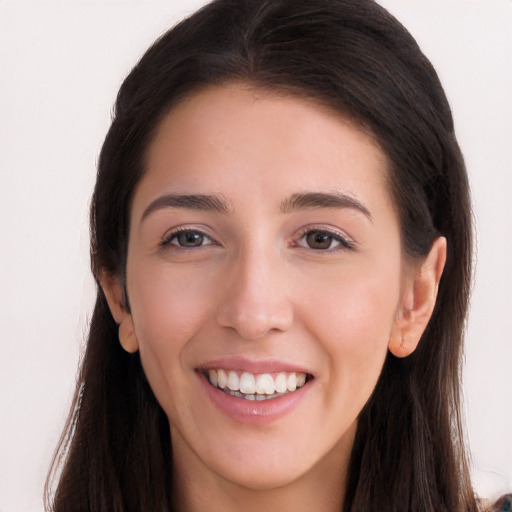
256, 412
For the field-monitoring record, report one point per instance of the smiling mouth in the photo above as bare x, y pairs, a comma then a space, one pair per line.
250, 386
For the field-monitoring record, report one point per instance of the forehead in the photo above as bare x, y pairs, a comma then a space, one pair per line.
236, 138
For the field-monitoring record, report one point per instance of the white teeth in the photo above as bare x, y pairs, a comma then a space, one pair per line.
281, 382
247, 384
291, 382
222, 379
233, 381
212, 375
255, 387
265, 384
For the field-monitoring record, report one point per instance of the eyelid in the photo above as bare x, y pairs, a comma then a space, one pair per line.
169, 235
347, 243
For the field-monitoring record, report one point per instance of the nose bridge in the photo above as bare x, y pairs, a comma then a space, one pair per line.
254, 300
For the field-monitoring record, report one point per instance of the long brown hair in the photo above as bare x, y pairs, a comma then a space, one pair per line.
353, 56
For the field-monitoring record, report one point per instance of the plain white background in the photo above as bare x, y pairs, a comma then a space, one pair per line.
61, 64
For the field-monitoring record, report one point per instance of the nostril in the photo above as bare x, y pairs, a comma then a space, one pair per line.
255, 322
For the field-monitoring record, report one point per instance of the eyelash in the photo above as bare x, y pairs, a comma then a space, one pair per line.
168, 238
344, 242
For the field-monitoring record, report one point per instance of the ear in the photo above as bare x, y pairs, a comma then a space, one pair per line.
418, 301
113, 291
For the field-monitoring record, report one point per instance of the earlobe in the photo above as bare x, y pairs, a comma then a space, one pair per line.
419, 299
115, 298
127, 336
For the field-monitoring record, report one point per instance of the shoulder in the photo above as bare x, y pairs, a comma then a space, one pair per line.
504, 504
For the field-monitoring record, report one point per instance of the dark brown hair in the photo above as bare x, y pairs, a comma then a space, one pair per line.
354, 57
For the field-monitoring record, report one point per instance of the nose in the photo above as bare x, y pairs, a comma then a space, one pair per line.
254, 301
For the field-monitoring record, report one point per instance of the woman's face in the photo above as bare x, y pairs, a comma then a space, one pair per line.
264, 257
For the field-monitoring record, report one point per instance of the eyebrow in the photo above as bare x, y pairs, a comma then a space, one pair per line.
296, 202
209, 203
310, 200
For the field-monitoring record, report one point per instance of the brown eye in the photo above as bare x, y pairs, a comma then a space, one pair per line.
319, 239
324, 240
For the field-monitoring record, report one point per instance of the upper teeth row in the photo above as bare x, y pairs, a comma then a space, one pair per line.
261, 384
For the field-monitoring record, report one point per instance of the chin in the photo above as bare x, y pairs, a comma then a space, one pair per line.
256, 477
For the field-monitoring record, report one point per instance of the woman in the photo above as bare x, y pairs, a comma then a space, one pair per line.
281, 238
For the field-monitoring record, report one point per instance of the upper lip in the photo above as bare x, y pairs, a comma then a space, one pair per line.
254, 366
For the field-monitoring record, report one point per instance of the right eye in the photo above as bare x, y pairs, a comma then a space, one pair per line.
187, 239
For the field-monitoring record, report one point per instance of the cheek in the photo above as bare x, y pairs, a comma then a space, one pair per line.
350, 303
352, 319
168, 310
167, 306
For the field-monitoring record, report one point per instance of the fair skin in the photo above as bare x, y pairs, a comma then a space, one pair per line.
292, 264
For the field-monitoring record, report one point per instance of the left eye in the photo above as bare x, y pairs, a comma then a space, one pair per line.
187, 239
323, 240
